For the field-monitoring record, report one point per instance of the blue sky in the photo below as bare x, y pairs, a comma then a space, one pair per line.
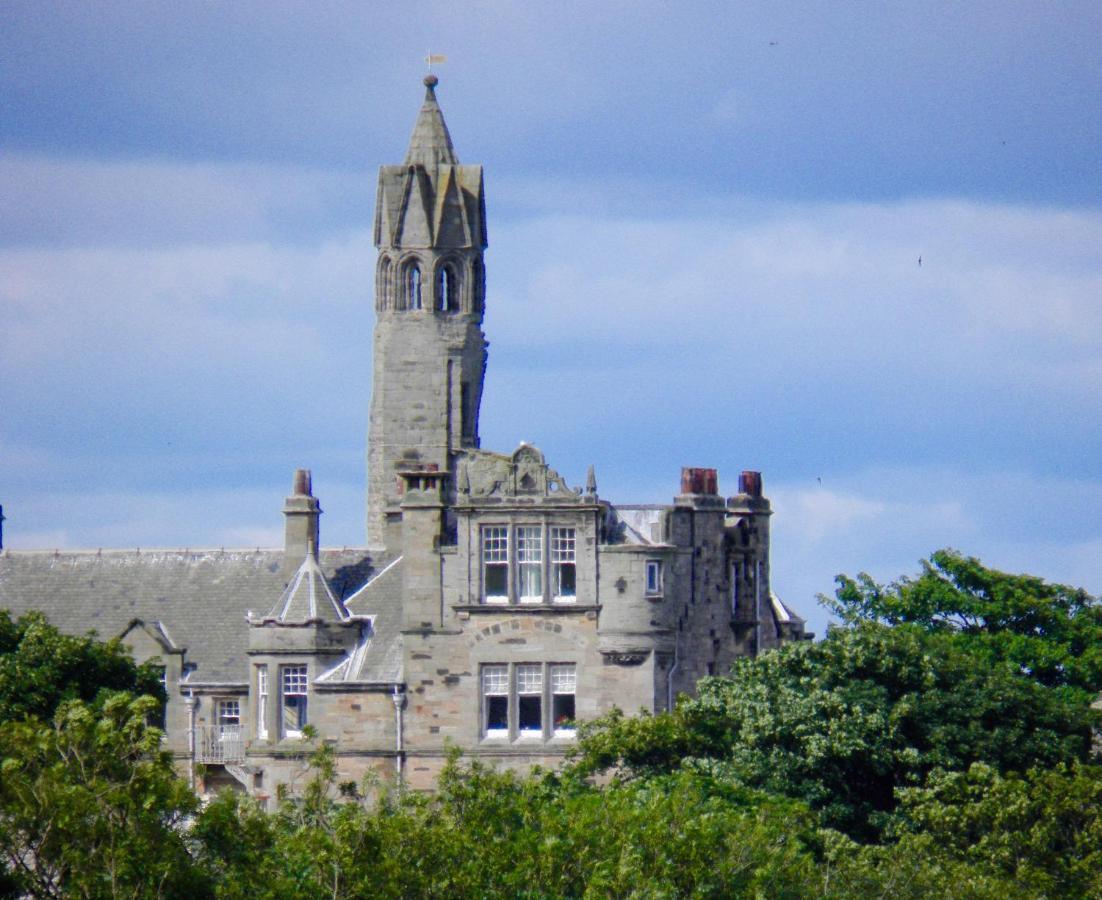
705, 222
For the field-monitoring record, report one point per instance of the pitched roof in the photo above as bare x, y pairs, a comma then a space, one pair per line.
200, 597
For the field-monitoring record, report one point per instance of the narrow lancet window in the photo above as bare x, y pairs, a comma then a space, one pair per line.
413, 287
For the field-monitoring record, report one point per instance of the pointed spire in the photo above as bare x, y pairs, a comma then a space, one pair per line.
430, 145
591, 482
308, 597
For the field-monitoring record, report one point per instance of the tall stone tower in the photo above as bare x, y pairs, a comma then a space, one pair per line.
430, 352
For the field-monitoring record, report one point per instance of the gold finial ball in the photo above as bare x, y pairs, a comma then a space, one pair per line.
431, 80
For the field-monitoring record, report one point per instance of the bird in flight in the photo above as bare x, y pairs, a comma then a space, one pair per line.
920, 260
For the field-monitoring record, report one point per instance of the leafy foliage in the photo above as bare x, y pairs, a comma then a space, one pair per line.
40, 668
1050, 632
91, 806
880, 762
844, 723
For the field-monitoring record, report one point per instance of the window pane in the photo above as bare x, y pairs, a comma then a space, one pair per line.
562, 712
530, 581
294, 714
495, 700
565, 580
528, 712
294, 679
229, 713
495, 680
529, 544
497, 582
562, 545
562, 679
530, 679
654, 576
497, 715
495, 544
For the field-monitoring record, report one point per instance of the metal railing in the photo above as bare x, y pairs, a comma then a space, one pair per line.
219, 744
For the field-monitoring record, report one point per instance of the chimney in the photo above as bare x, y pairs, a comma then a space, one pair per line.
699, 481
750, 483
300, 535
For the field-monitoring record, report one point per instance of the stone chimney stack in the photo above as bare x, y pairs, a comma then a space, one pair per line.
301, 512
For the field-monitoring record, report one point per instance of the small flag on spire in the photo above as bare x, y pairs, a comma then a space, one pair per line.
433, 59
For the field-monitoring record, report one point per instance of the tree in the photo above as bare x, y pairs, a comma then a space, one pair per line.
91, 806
1051, 632
40, 668
1042, 830
844, 723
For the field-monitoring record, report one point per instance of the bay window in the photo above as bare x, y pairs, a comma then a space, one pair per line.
525, 573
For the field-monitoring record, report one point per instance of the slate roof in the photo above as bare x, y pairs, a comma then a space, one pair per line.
201, 597
307, 597
380, 598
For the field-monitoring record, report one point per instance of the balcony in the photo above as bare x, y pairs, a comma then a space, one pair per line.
219, 744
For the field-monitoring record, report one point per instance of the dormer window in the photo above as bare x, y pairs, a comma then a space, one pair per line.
413, 287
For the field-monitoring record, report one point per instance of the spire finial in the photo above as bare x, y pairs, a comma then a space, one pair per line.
430, 82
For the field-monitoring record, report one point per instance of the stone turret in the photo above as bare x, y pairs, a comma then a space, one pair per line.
429, 351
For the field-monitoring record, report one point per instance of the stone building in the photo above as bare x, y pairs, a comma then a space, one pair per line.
494, 605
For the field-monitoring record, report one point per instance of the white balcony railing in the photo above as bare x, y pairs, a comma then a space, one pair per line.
219, 744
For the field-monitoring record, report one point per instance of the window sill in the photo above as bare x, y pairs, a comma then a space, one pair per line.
529, 608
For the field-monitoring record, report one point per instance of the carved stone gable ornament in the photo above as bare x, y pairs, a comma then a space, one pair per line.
525, 473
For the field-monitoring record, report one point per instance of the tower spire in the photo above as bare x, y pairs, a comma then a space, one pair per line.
430, 144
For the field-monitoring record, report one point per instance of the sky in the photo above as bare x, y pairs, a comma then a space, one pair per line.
706, 222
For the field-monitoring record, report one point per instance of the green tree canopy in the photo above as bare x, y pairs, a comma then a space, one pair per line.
1051, 632
843, 723
40, 668
91, 806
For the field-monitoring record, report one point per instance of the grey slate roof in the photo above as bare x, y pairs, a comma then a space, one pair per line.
380, 598
307, 597
201, 597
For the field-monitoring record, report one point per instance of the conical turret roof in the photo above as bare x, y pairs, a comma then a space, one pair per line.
430, 144
307, 597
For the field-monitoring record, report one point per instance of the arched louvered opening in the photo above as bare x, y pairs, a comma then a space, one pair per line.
413, 286
382, 283
447, 289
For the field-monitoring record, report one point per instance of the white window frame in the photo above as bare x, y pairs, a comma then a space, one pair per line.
495, 683
294, 682
653, 576
495, 553
562, 542
563, 681
227, 717
262, 702
529, 562
515, 681
529, 681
